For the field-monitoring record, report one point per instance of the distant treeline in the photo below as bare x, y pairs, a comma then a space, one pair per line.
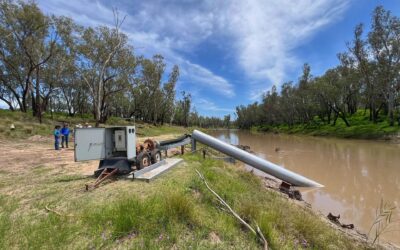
368, 77
49, 63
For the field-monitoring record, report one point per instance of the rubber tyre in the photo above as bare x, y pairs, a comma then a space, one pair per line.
156, 156
143, 160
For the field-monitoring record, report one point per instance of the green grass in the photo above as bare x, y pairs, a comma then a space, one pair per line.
360, 128
151, 130
26, 125
174, 211
7, 205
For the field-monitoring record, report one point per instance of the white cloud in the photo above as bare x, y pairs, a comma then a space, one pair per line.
207, 78
260, 35
205, 104
266, 32
191, 73
152, 33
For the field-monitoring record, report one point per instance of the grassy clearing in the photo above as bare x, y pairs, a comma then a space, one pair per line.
174, 211
361, 128
26, 125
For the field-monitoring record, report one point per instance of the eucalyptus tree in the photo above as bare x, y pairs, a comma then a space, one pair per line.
150, 81
287, 105
27, 41
271, 107
368, 77
62, 70
303, 100
368, 70
183, 108
168, 100
384, 42
154, 99
250, 115
227, 121
105, 62
332, 87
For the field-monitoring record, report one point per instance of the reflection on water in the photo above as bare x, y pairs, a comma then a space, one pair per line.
357, 174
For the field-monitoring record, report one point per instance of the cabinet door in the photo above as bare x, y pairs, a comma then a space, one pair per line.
131, 142
90, 144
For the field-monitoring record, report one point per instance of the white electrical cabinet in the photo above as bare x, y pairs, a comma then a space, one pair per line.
105, 143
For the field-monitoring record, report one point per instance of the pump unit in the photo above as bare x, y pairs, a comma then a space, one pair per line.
115, 147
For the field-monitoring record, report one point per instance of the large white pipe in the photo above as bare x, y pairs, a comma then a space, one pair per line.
254, 161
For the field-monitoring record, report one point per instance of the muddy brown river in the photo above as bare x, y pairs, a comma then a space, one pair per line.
357, 174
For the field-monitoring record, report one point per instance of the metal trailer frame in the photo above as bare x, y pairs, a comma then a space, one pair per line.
99, 144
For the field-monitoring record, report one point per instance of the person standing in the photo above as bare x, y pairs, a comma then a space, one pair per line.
57, 135
64, 135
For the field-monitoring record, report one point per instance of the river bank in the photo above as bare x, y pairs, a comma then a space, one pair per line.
357, 174
360, 128
176, 211
345, 133
43, 205
367, 132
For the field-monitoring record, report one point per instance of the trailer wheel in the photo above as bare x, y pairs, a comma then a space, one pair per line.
143, 159
155, 156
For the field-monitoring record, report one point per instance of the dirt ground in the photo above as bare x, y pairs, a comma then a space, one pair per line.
27, 164
24, 162
21, 156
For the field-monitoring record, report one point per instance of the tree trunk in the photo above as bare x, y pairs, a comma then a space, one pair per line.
33, 104
38, 102
335, 119
26, 90
96, 116
391, 108
23, 107
329, 116
51, 109
370, 112
172, 117
344, 119
10, 106
341, 114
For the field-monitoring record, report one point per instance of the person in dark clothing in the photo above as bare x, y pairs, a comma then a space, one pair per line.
57, 135
64, 135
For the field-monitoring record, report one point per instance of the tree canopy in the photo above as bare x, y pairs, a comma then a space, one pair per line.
51, 63
368, 78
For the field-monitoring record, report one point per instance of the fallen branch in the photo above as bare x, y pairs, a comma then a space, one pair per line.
257, 233
261, 235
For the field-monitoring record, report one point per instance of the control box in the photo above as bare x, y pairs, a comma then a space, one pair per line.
120, 140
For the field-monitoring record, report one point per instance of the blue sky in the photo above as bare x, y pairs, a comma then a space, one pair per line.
230, 52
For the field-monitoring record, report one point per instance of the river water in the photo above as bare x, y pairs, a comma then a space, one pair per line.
357, 174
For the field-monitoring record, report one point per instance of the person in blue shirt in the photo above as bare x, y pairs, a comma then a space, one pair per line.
57, 135
64, 135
